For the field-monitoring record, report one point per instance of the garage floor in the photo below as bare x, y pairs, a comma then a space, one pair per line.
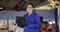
3, 31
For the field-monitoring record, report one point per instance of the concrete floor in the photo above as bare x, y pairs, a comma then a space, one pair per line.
3, 31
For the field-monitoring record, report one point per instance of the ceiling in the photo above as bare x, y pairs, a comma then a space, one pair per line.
18, 4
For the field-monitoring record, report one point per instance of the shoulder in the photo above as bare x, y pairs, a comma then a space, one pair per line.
25, 15
36, 15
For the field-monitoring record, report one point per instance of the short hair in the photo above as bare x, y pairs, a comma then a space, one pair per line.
31, 5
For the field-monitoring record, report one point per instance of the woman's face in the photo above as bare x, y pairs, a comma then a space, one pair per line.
30, 8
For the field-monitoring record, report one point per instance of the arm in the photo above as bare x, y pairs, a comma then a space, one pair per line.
37, 21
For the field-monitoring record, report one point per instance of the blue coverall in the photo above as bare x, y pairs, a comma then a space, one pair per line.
33, 21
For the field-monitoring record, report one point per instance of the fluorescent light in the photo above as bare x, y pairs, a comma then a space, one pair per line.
1, 7
53, 22
50, 22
